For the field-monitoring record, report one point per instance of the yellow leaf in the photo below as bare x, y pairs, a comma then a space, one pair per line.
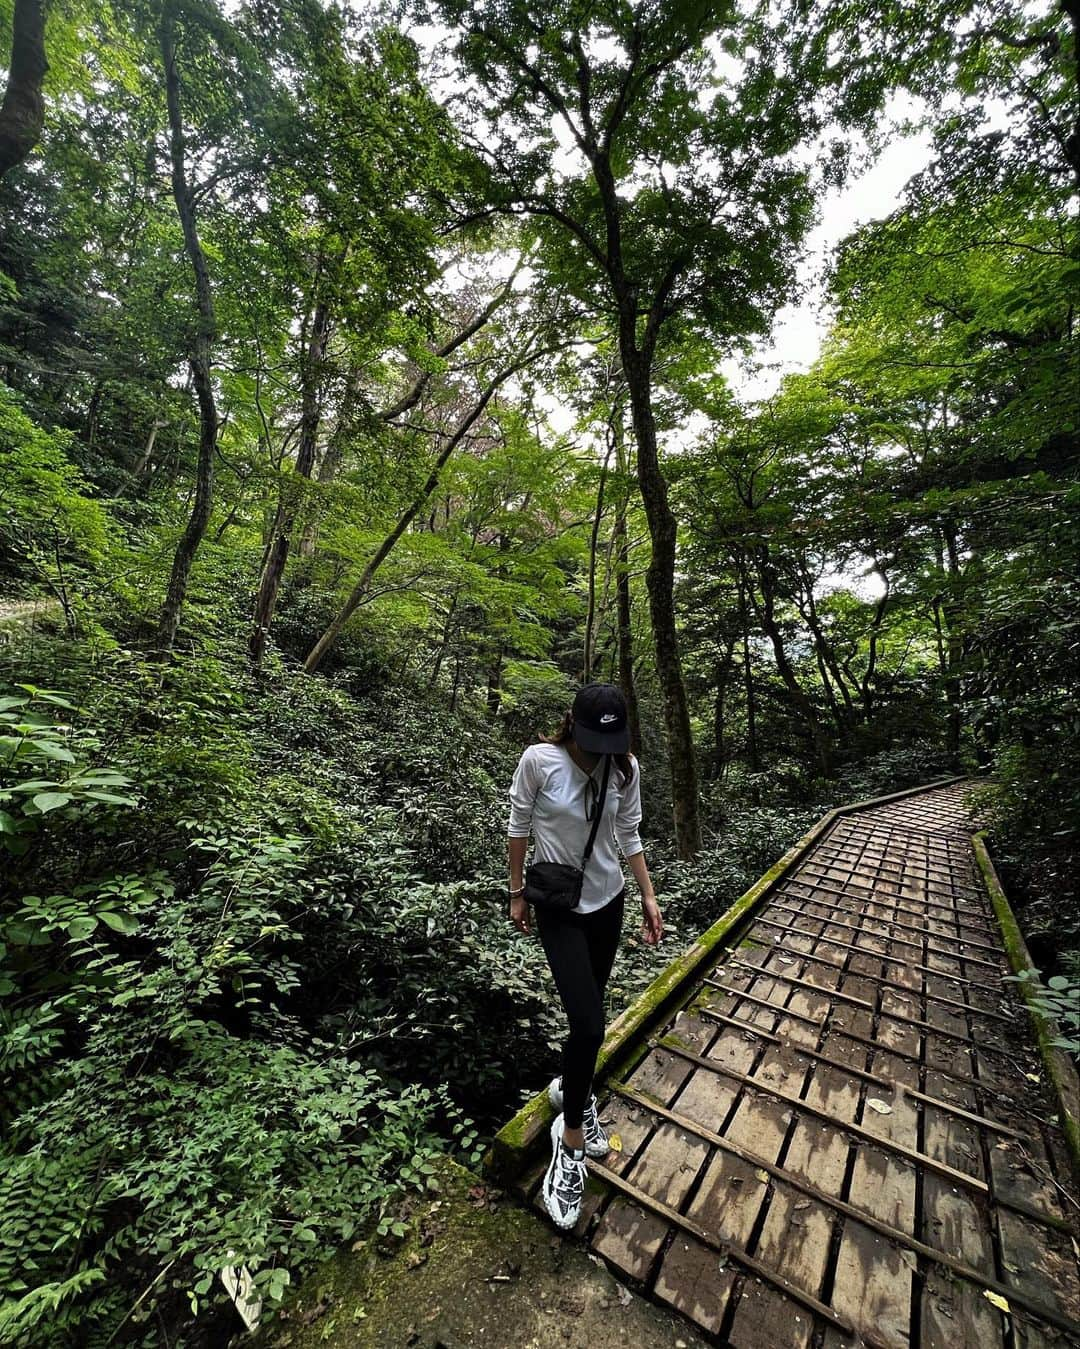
762, 1175
615, 1143
1033, 1077
879, 1106
1001, 1303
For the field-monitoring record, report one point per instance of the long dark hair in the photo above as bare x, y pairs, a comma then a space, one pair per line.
623, 762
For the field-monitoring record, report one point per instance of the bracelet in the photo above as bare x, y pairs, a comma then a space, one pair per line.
515, 894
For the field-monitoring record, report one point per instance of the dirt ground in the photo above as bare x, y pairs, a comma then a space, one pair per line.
476, 1270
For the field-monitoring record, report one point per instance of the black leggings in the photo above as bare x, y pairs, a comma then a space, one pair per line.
580, 948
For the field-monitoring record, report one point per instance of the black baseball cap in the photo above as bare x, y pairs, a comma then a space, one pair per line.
600, 719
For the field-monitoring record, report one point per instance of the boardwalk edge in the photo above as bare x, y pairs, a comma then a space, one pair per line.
514, 1142
1058, 1068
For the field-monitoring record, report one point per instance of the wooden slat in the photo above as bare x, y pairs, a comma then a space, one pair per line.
855, 1002
855, 1130
874, 918
888, 983
923, 946
960, 1177
842, 1031
780, 1173
892, 960
706, 1238
844, 890
938, 1102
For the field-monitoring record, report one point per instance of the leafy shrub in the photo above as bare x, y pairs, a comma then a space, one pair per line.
1058, 1000
171, 1107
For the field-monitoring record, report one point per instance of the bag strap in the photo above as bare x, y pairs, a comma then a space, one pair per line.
599, 813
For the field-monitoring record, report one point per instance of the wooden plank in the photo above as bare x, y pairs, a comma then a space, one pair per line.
944, 959
696, 1280
971, 1008
857, 1131
1021, 1173
894, 1014
669, 1163
872, 1286
707, 1238
891, 923
629, 1235
821, 1166
955, 1313
944, 1056
765, 1318
795, 1238
882, 1183
1041, 1264
940, 1101
946, 914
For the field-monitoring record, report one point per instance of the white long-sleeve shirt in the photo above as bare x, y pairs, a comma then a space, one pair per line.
547, 798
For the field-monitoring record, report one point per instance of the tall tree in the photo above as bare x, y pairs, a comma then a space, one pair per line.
201, 342
22, 113
666, 196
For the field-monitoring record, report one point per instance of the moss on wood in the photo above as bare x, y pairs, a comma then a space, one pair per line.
1059, 1070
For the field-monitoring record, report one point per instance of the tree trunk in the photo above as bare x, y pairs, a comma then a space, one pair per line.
200, 353
660, 581
723, 678
319, 651
625, 635
494, 683
953, 640
148, 449
22, 113
752, 757
594, 537
828, 667
866, 689
444, 645
766, 612
289, 506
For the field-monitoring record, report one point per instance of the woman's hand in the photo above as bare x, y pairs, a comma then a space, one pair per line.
652, 925
519, 914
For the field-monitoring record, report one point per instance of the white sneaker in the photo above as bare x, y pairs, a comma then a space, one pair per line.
564, 1181
596, 1140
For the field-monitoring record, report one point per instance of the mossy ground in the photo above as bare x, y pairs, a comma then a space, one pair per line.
475, 1269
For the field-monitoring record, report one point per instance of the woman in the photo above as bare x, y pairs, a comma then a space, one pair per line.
555, 794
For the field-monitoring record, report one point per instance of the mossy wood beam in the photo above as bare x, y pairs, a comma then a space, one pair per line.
516, 1140
1058, 1067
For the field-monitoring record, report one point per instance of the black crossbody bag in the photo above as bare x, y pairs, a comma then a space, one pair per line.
557, 885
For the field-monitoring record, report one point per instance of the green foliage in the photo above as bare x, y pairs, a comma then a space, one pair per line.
191, 991
32, 742
47, 514
254, 955
1057, 999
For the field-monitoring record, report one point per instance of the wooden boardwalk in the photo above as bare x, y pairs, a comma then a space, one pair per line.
835, 1141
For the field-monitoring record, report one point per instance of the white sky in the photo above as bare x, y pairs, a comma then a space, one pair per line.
799, 329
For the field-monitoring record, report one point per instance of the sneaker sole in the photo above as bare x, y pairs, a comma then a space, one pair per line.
560, 1223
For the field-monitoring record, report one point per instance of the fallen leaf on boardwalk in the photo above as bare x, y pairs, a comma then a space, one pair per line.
615, 1143
1001, 1303
762, 1175
879, 1106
